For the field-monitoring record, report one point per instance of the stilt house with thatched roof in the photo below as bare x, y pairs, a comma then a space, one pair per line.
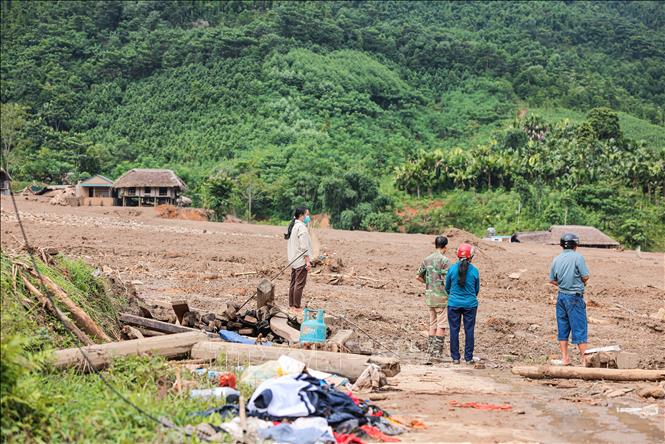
148, 187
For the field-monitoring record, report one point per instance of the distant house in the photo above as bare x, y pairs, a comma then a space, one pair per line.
5, 182
589, 236
139, 187
98, 190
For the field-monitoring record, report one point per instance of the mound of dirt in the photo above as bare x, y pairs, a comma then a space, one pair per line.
457, 236
171, 212
501, 325
66, 197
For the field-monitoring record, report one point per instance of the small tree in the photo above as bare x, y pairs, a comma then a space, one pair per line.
13, 118
250, 188
217, 192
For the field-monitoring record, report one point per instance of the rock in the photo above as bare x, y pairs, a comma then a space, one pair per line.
659, 315
514, 276
598, 321
651, 391
533, 328
626, 360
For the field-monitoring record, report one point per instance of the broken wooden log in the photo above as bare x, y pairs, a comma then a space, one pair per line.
547, 371
150, 333
170, 346
279, 326
344, 364
132, 333
81, 318
57, 313
244, 273
337, 343
265, 294
153, 324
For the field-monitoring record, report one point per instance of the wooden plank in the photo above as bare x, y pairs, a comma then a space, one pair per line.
180, 308
153, 324
341, 337
170, 346
344, 364
250, 320
280, 327
609, 374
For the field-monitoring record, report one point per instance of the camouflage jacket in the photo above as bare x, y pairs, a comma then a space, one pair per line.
433, 270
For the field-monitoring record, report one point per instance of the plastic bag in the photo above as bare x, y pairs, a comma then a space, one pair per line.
256, 374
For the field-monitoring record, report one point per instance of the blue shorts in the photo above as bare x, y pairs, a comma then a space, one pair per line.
571, 316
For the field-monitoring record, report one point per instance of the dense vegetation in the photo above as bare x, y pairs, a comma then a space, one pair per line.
42, 405
359, 109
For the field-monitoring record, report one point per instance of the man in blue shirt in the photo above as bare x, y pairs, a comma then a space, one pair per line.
570, 274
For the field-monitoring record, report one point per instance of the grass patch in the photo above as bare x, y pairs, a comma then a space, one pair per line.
41, 404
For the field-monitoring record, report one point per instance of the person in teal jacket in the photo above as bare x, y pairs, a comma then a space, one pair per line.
462, 285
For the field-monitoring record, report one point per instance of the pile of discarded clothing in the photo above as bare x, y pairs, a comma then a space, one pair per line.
299, 408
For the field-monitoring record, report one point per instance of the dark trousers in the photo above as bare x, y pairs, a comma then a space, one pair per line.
298, 281
455, 316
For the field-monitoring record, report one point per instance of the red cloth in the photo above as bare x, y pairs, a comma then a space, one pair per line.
349, 438
476, 405
227, 380
375, 433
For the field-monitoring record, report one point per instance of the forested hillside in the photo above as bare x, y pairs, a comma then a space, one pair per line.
517, 115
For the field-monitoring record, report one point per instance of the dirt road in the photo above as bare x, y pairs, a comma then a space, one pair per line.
176, 259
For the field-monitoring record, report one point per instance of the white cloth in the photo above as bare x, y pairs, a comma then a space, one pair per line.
298, 243
288, 398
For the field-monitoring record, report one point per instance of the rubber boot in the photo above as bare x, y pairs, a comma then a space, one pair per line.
430, 349
437, 352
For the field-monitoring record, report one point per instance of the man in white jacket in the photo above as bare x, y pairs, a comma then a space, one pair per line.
299, 252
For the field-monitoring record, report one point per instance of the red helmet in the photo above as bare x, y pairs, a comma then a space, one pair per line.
465, 251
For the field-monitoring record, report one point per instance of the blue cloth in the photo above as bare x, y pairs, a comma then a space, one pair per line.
571, 316
567, 270
455, 317
466, 296
231, 336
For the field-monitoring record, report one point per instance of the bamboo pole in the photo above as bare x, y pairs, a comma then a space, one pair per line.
53, 309
81, 317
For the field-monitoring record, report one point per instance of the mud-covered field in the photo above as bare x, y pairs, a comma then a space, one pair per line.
168, 259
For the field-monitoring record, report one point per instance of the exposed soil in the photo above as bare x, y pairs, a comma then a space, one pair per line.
181, 259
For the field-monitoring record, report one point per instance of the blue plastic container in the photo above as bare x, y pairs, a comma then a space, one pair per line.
313, 327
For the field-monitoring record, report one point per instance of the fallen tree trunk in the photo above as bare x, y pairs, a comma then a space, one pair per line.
100, 355
153, 324
53, 309
344, 364
81, 317
609, 374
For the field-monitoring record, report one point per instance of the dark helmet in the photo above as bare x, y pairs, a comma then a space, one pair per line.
569, 240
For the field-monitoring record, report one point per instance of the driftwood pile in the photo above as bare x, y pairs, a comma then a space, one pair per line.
266, 322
